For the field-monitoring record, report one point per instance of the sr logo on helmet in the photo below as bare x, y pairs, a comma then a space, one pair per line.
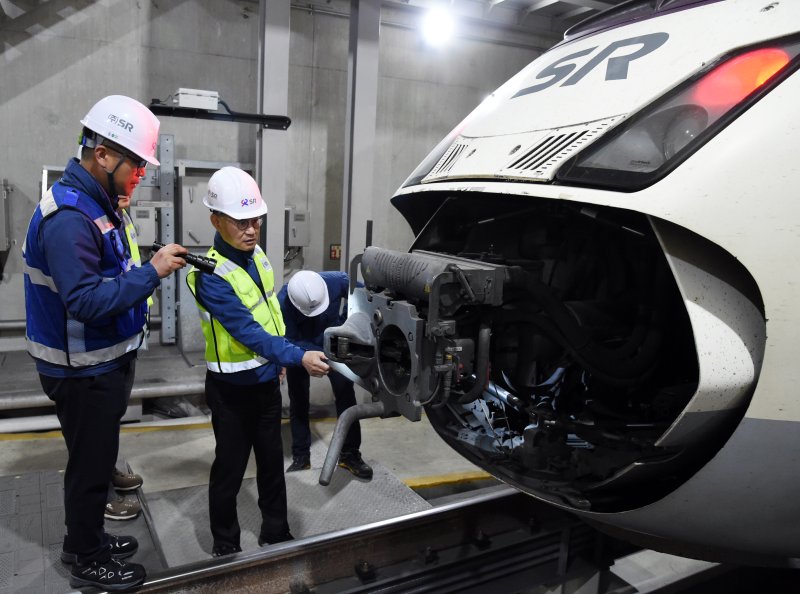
120, 122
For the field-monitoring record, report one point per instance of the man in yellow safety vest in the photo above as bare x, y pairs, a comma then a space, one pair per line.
246, 355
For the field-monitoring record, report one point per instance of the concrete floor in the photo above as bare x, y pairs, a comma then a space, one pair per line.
178, 453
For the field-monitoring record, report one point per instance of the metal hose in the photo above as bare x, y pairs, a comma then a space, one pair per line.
347, 418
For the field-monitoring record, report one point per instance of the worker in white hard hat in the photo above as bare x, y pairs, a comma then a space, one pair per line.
86, 298
312, 302
246, 354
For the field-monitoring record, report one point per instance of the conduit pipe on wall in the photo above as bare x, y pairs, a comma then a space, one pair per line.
35, 399
48, 422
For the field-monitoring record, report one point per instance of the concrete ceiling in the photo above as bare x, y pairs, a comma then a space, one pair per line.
537, 16
553, 16
565, 13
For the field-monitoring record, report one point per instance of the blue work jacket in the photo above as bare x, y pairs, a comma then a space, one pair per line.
218, 297
309, 332
85, 298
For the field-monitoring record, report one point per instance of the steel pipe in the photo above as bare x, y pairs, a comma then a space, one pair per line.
27, 424
36, 399
347, 418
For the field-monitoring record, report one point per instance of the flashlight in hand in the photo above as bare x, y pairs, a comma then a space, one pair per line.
202, 263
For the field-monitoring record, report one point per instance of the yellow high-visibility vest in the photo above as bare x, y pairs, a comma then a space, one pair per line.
225, 354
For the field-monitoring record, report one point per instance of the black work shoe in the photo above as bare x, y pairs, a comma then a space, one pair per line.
114, 574
352, 461
299, 463
270, 540
224, 549
122, 547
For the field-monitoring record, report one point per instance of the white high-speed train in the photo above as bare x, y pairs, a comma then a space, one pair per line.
602, 303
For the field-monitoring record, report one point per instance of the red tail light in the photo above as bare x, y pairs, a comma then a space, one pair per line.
734, 80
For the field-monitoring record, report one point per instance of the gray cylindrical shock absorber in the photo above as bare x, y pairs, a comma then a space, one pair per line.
410, 274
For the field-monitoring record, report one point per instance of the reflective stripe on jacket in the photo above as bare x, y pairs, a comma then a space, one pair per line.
225, 354
53, 335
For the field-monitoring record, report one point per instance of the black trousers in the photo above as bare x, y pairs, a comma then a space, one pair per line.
343, 394
90, 410
246, 418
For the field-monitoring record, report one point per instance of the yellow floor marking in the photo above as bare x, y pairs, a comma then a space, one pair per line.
438, 480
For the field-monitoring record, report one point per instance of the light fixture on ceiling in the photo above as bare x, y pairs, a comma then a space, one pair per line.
437, 26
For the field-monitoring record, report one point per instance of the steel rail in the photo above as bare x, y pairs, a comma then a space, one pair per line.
493, 537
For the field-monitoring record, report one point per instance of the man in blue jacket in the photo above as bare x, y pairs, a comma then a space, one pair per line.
85, 302
312, 302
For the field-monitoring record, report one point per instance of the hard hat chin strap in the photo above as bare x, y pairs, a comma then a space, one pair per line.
112, 188
87, 141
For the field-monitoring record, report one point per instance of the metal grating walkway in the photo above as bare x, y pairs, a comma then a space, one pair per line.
180, 516
174, 528
32, 530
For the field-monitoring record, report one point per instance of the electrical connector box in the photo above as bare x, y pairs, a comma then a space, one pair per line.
196, 98
144, 221
297, 230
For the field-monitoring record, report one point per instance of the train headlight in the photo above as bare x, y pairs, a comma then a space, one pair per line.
650, 144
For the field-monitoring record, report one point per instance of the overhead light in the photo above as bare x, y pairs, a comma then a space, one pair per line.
437, 26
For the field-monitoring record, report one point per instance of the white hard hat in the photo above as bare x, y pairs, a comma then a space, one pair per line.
235, 193
126, 122
308, 293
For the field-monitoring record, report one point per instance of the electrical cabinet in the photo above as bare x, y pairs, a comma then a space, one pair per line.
144, 220
296, 229
195, 227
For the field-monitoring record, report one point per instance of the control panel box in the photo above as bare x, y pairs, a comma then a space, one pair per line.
296, 230
144, 220
195, 227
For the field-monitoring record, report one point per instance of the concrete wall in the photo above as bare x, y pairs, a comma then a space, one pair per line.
58, 57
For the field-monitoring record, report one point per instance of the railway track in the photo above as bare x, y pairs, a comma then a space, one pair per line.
500, 539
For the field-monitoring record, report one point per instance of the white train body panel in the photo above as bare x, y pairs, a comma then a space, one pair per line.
722, 224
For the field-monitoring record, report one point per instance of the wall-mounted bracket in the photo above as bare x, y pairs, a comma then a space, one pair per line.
272, 122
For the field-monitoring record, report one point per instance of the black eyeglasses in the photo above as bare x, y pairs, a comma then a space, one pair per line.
243, 224
138, 162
